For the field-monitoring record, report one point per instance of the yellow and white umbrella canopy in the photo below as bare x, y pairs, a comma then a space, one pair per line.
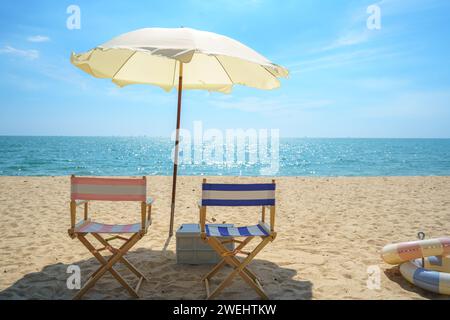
212, 62
181, 58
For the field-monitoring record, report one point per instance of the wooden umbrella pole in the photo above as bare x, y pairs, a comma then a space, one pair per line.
177, 142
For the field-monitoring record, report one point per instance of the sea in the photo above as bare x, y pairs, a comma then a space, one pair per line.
133, 156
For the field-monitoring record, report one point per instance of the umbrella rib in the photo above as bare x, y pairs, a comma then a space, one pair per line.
270, 72
126, 61
224, 69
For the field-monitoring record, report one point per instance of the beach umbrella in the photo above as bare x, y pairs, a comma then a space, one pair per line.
181, 58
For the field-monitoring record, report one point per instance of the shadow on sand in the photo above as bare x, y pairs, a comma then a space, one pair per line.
394, 275
166, 280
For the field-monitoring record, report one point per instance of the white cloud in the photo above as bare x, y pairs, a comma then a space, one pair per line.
353, 32
25, 53
38, 38
382, 83
271, 107
342, 59
351, 38
355, 44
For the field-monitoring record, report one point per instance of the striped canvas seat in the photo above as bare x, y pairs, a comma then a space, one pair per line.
95, 227
224, 231
108, 189
259, 194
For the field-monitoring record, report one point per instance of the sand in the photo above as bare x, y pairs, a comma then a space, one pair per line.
330, 230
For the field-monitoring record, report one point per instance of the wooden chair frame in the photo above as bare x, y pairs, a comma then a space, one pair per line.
117, 254
229, 257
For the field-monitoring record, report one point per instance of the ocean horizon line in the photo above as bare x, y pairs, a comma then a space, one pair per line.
168, 137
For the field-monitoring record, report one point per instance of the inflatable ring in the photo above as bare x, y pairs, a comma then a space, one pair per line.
424, 263
431, 280
405, 251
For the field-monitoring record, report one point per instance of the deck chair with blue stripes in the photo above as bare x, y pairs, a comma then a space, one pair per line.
86, 189
237, 195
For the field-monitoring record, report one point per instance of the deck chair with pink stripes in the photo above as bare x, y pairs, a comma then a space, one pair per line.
86, 189
237, 195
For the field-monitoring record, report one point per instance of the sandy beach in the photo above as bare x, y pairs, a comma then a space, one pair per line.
330, 230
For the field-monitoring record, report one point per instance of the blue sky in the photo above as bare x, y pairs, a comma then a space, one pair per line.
346, 80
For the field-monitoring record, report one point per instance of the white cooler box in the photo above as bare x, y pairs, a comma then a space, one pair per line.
192, 250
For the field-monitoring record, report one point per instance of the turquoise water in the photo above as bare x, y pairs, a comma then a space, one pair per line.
37, 156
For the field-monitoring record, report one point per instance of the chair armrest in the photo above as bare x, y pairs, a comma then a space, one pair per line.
74, 204
148, 222
149, 201
202, 218
80, 202
146, 214
271, 211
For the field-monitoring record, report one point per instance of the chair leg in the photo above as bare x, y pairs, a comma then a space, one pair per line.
251, 281
239, 267
246, 270
246, 274
214, 270
114, 273
223, 262
254, 283
240, 247
124, 260
107, 266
